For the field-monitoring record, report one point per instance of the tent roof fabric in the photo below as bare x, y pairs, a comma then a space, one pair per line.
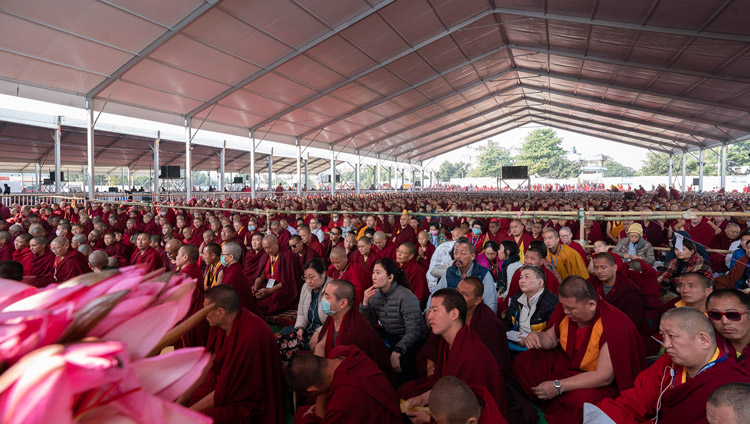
408, 79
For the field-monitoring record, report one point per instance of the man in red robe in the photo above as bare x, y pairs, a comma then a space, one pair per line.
404, 232
244, 382
6, 246
617, 290
405, 255
114, 248
43, 263
355, 389
594, 352
675, 388
728, 311
461, 353
187, 263
566, 236
69, 262
145, 254
282, 234
234, 275
302, 252
453, 401
698, 228
255, 257
520, 237
23, 254
348, 327
385, 248
310, 241
342, 269
278, 285
534, 256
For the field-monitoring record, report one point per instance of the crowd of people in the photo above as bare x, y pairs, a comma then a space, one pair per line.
393, 307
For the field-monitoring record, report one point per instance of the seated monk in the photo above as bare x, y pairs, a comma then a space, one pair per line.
618, 291
243, 383
563, 258
145, 254
461, 353
170, 249
455, 402
255, 257
534, 256
693, 289
592, 353
348, 327
728, 404
384, 247
214, 274
23, 254
69, 262
644, 276
231, 255
675, 388
43, 263
187, 263
342, 269
365, 255
302, 252
278, 284
310, 241
6, 246
352, 388
113, 247
729, 312
98, 260
405, 258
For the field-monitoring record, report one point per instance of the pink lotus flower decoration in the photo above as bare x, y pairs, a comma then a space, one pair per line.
77, 351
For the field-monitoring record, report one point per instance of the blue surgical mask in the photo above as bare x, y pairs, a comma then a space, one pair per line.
325, 305
346, 229
476, 231
223, 261
163, 213
251, 227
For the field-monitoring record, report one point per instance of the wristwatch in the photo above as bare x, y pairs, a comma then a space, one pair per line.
558, 386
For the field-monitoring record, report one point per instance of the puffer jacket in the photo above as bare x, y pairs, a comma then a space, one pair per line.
545, 306
397, 310
643, 249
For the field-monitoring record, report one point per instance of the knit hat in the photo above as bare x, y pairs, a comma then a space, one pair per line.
636, 228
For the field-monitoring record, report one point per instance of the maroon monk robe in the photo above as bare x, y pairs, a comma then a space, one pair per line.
417, 281
355, 275
151, 228
625, 296
166, 262
25, 258
646, 281
149, 257
578, 248
71, 265
198, 336
428, 252
116, 249
367, 265
388, 251
719, 242
43, 270
359, 393
6, 252
283, 237
702, 233
523, 242
234, 275
626, 351
355, 330
245, 375
253, 262
467, 359
402, 235
284, 269
490, 412
316, 246
731, 352
308, 254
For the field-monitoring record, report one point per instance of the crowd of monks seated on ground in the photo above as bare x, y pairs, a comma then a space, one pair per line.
434, 316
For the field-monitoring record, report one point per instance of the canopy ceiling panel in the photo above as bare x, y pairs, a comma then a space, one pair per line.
407, 79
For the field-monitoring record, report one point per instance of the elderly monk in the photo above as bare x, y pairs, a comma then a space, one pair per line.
69, 262
255, 257
404, 232
234, 275
98, 259
405, 258
564, 259
675, 388
349, 327
590, 354
145, 254
454, 402
729, 312
461, 353
187, 263
171, 248
354, 388
243, 384
728, 404
302, 252
23, 254
282, 234
310, 241
278, 284
342, 269
385, 248
214, 274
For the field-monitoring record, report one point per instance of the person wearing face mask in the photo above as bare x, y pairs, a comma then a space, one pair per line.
234, 275
477, 235
346, 225
312, 311
436, 237
348, 327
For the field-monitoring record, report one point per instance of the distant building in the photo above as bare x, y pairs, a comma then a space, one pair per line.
592, 168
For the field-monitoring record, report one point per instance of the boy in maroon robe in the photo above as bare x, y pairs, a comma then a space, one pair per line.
69, 262
145, 254
6, 246
357, 390
244, 382
23, 254
255, 257
578, 359
43, 264
350, 328
675, 388
114, 248
342, 269
234, 275
187, 263
461, 353
278, 285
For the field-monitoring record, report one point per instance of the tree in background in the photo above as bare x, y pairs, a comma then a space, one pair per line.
491, 160
656, 164
450, 170
542, 152
616, 169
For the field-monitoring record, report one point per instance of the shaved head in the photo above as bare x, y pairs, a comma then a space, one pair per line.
452, 402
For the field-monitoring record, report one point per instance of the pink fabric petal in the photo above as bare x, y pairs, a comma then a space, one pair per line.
170, 375
44, 299
150, 409
127, 308
38, 402
13, 291
142, 332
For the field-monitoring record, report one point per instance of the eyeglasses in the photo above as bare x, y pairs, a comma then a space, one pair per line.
731, 316
293, 245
